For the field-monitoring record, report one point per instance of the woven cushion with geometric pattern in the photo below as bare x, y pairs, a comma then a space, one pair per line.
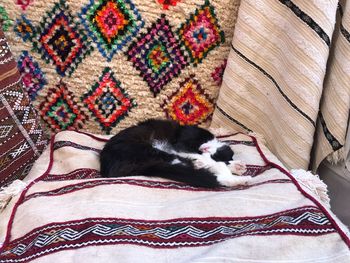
103, 65
21, 136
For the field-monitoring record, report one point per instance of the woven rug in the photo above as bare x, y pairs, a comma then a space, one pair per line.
102, 65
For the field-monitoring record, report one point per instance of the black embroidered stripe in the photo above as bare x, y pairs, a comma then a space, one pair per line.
307, 20
60, 144
276, 84
344, 32
232, 119
331, 139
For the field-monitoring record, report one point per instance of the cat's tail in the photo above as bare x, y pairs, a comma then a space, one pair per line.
182, 173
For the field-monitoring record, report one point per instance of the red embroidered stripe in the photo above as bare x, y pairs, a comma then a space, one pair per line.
174, 233
83, 173
144, 183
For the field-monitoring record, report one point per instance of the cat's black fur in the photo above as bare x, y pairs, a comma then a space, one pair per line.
130, 153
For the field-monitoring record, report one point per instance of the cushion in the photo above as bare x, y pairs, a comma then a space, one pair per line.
21, 136
68, 213
101, 66
275, 76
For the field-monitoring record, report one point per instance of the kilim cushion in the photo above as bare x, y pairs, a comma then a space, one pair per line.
148, 219
102, 65
21, 137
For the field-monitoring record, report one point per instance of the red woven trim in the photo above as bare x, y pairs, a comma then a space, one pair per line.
86, 173
177, 229
302, 191
228, 135
22, 196
92, 136
143, 183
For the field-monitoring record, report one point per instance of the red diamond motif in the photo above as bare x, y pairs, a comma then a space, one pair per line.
167, 3
189, 105
107, 101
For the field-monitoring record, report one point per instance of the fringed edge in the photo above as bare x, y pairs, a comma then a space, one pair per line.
337, 156
313, 183
6, 193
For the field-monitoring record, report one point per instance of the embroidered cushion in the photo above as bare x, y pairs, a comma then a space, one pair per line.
102, 65
21, 137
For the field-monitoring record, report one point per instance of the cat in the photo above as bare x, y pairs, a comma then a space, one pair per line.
166, 149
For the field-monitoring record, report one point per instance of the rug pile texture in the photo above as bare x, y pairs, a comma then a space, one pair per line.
103, 65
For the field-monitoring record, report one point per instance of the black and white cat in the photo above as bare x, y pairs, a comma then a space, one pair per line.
166, 149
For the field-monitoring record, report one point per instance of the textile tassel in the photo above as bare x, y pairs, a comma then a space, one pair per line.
337, 156
6, 193
313, 183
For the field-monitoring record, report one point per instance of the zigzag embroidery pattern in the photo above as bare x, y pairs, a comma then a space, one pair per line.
25, 118
21, 105
173, 233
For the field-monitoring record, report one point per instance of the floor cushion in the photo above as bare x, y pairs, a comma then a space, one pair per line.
67, 213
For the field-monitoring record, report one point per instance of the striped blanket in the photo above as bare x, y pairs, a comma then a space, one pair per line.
287, 77
68, 213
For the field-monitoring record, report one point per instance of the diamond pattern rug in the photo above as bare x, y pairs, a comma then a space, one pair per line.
103, 65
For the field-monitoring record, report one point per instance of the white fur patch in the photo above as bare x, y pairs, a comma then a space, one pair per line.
222, 171
162, 146
226, 178
233, 180
176, 161
211, 146
237, 167
204, 161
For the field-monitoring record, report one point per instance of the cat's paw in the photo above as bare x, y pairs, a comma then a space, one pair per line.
234, 180
203, 161
199, 164
237, 167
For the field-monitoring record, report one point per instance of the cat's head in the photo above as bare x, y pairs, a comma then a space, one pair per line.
219, 151
196, 139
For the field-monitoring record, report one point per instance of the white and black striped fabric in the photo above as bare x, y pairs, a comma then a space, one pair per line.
288, 77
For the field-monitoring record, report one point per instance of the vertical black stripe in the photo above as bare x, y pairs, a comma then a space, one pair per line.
344, 32
307, 20
330, 138
232, 119
276, 84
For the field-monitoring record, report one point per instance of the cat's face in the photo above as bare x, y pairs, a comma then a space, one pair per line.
219, 151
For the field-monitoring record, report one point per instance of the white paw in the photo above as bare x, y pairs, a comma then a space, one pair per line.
199, 164
234, 180
203, 161
237, 167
